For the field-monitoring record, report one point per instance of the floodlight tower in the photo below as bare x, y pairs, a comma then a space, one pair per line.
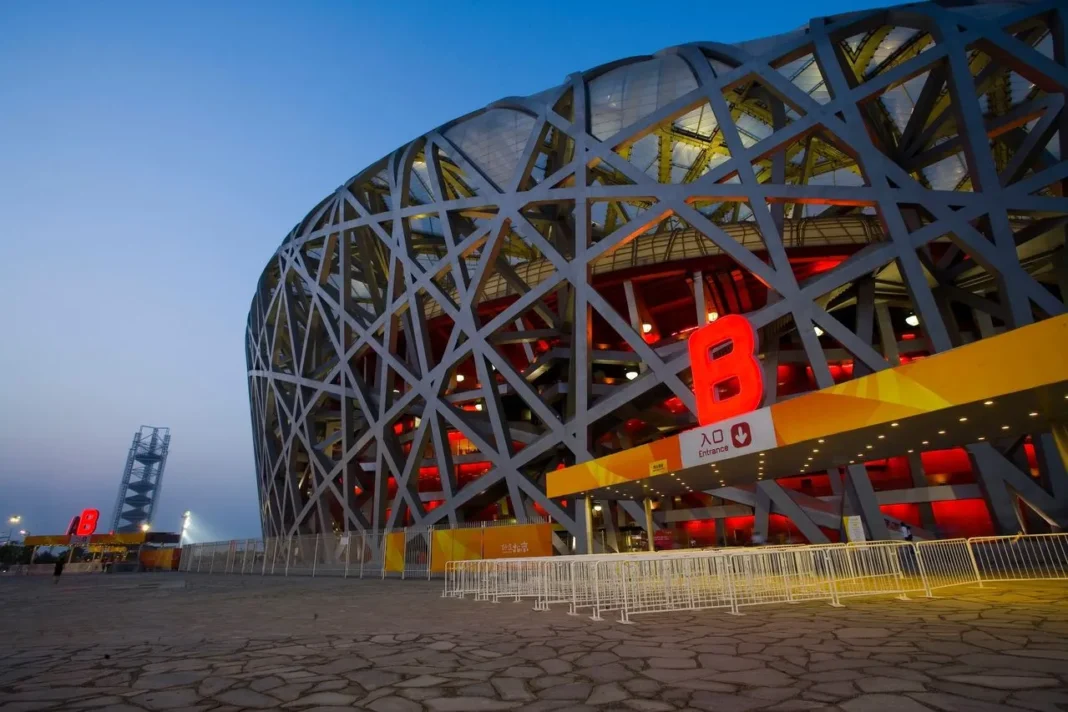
142, 479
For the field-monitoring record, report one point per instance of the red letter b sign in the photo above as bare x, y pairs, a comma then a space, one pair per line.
727, 377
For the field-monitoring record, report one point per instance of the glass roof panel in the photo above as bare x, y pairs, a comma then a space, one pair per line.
628, 94
494, 141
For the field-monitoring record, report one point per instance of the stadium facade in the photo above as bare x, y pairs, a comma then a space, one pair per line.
511, 292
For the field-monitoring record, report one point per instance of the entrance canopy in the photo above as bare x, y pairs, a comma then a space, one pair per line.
1003, 386
125, 539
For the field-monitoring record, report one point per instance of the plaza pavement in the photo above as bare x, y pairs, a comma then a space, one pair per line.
197, 642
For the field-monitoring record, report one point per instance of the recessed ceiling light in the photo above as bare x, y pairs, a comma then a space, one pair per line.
867, 447
893, 425
941, 432
815, 449
963, 419
882, 437
820, 440
924, 442
910, 450
1004, 427
851, 462
762, 454
860, 454
992, 402
1033, 413
982, 437
810, 459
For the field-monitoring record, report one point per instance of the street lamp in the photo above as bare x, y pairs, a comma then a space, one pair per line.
13, 520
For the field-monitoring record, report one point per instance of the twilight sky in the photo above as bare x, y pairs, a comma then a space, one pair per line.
153, 156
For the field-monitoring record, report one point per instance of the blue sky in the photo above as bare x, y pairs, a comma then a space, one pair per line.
152, 157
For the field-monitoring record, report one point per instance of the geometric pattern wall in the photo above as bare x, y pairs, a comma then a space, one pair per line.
511, 292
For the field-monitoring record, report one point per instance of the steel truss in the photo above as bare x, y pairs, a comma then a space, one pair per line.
453, 303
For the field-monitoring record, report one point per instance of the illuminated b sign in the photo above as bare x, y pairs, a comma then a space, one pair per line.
84, 524
727, 377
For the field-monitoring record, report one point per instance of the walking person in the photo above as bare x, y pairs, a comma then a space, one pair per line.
58, 571
906, 532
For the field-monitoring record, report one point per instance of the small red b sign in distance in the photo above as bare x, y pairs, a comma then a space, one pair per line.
727, 377
87, 522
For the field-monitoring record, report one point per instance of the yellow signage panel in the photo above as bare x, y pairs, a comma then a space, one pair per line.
47, 540
454, 545
395, 552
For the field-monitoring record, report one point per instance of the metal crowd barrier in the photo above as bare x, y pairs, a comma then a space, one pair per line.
646, 582
355, 555
734, 578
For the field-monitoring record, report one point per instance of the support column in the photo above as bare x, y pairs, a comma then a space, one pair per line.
886, 334
919, 479
859, 485
611, 530
634, 315
699, 298
772, 494
761, 511
650, 530
584, 513
1059, 431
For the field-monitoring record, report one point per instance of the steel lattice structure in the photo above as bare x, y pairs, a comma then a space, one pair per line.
142, 479
512, 290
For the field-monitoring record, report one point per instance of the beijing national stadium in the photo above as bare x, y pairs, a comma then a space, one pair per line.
494, 322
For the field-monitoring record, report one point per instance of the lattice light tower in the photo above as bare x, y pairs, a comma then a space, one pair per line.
142, 479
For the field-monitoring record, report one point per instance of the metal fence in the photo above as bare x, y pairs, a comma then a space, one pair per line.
356, 555
648, 582
403, 553
734, 578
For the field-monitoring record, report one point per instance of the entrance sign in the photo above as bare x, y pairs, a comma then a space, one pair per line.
733, 437
728, 379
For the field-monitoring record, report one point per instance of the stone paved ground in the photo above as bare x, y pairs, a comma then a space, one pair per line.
154, 642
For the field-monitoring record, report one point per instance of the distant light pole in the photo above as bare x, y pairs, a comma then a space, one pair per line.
12, 520
185, 526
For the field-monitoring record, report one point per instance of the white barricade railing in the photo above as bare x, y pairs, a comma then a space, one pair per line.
647, 582
779, 575
944, 563
868, 569
1021, 558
